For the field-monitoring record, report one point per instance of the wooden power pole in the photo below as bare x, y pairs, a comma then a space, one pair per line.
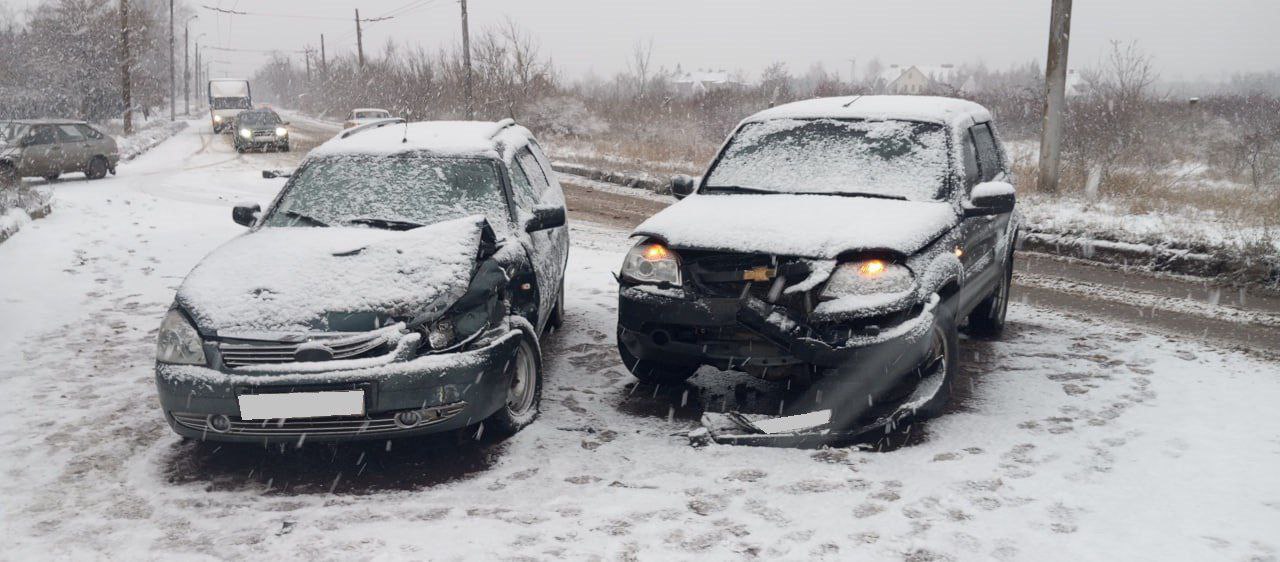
124, 68
186, 68
360, 39
324, 64
173, 80
466, 61
1055, 79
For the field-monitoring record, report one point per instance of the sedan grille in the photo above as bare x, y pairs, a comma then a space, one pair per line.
243, 353
338, 427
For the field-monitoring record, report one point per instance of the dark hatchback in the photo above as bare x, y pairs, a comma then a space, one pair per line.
393, 288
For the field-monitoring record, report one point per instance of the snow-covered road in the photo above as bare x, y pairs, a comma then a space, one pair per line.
1071, 438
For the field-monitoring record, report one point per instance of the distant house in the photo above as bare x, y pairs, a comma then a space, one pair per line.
918, 79
700, 82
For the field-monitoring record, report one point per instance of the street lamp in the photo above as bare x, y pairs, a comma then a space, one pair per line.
186, 64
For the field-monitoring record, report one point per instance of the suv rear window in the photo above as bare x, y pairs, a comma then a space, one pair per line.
891, 158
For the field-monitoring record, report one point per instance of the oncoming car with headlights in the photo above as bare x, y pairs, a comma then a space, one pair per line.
398, 285
838, 241
260, 128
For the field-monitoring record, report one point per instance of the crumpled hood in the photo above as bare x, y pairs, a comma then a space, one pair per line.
812, 226
294, 279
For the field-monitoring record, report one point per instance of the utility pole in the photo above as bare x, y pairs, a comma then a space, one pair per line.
853, 67
1055, 79
324, 64
466, 61
173, 78
124, 68
307, 56
197, 71
186, 65
360, 38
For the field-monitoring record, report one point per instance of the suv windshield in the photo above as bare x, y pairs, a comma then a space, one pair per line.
391, 192
258, 119
898, 159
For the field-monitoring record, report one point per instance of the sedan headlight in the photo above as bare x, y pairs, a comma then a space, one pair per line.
217, 118
179, 342
867, 277
652, 262
281, 131
458, 327
246, 133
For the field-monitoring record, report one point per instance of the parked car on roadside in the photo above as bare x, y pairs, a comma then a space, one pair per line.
839, 240
398, 285
48, 148
363, 115
260, 129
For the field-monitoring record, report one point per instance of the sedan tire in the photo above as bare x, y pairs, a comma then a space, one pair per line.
524, 394
97, 168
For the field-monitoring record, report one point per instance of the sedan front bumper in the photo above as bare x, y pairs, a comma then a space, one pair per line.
447, 391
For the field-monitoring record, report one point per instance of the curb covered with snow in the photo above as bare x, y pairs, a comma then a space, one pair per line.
22, 205
145, 139
638, 181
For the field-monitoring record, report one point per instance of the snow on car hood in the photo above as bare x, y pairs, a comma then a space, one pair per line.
813, 226
290, 279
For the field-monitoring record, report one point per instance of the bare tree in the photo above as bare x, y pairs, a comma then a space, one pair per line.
640, 66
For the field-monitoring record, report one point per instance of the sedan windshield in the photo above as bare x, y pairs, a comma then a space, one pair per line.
396, 192
256, 119
896, 159
11, 132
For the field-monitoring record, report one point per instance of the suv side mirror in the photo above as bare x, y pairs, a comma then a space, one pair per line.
545, 217
272, 174
990, 198
245, 214
682, 186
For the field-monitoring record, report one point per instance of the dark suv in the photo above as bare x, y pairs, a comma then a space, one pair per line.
838, 240
398, 285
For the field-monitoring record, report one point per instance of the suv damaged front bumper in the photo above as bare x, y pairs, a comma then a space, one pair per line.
438, 393
748, 333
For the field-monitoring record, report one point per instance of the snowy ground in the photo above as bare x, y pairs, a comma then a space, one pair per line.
1071, 438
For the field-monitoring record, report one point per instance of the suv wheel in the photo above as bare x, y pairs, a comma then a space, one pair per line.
653, 372
939, 370
524, 393
987, 320
97, 168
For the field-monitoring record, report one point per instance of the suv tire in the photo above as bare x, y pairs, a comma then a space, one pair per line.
946, 340
97, 168
988, 318
524, 396
653, 372
556, 320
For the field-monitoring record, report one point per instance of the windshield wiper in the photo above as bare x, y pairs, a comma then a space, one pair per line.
851, 194
740, 189
390, 224
309, 219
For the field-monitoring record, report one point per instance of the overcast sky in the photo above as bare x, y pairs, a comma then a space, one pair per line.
1190, 39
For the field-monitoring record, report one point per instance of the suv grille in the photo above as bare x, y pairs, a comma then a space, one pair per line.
260, 352
722, 275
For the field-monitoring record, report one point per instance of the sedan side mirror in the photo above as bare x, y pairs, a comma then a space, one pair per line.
682, 186
990, 198
245, 214
272, 174
545, 217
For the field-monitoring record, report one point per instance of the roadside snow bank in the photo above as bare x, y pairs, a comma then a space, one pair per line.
21, 205
144, 139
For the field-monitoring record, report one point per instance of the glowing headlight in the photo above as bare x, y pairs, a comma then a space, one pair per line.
246, 133
217, 118
179, 343
651, 262
281, 131
867, 277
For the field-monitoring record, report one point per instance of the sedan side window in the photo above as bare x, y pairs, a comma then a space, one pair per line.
526, 198
69, 133
988, 154
43, 135
89, 132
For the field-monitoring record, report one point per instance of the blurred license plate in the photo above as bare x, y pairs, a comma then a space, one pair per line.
295, 405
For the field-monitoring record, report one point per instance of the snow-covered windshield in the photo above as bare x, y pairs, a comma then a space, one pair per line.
391, 192
256, 118
891, 158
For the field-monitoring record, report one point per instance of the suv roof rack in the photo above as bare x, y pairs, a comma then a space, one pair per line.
501, 126
369, 126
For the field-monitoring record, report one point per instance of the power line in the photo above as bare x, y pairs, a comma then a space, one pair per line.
292, 16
